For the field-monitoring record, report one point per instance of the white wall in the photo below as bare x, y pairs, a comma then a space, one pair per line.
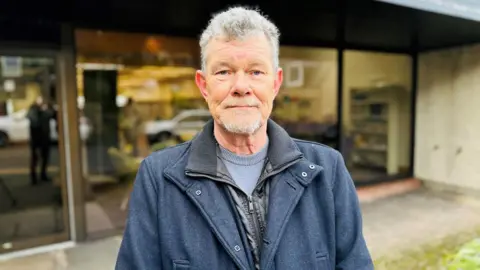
448, 118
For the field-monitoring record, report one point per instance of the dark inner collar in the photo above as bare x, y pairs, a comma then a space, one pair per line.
203, 156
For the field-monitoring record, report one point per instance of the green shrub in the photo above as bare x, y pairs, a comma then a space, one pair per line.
467, 258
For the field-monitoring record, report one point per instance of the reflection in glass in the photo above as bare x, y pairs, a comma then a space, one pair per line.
138, 93
376, 112
306, 105
31, 204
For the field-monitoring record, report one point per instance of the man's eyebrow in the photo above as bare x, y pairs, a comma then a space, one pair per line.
221, 64
226, 64
256, 64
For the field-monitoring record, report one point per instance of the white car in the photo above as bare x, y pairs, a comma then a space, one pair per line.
15, 128
186, 124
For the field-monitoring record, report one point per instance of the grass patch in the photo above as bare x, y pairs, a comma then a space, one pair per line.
468, 258
433, 256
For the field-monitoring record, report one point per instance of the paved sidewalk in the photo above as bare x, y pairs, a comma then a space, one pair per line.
396, 224
98, 255
391, 225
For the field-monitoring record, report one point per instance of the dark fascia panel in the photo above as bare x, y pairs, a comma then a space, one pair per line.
362, 23
30, 32
377, 24
437, 31
319, 23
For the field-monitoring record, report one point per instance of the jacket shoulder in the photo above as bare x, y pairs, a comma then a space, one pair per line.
318, 153
168, 156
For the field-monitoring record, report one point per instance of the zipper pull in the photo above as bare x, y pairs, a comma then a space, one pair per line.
250, 204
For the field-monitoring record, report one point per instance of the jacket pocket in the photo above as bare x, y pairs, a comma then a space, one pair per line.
323, 261
181, 265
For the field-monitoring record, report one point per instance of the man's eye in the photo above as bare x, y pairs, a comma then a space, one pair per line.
222, 72
256, 72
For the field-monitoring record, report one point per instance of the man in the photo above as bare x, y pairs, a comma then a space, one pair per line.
39, 116
242, 194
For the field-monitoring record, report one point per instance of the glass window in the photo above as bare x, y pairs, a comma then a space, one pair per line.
32, 188
306, 105
195, 118
139, 94
376, 115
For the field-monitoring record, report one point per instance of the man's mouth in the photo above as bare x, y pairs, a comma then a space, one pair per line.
241, 107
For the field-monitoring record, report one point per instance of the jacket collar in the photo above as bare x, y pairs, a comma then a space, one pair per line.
203, 157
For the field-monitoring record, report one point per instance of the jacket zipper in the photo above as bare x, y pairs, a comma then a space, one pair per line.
256, 229
250, 205
256, 223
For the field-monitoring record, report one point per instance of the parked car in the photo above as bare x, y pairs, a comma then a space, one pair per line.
14, 128
182, 127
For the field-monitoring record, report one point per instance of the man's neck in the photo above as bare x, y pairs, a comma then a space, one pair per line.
239, 143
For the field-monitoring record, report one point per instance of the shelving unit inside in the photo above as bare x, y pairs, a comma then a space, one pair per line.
379, 117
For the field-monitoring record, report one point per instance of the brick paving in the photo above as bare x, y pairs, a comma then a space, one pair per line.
391, 225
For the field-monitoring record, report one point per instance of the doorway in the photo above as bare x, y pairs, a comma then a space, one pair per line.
33, 197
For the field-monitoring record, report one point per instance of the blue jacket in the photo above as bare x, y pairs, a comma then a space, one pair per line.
178, 221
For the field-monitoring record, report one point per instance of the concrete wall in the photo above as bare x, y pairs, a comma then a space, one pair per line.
448, 118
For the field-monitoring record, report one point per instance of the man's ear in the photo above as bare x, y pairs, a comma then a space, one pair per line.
201, 82
278, 81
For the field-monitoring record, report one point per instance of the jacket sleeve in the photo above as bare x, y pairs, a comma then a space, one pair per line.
351, 249
140, 245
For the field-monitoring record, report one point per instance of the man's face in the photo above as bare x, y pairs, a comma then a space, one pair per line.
39, 100
239, 83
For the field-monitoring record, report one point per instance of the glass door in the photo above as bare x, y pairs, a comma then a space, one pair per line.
33, 204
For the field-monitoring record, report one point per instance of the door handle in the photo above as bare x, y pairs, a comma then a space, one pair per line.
459, 150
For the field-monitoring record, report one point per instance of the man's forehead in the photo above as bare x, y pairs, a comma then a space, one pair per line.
243, 59
239, 49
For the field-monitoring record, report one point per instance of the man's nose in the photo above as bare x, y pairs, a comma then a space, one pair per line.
241, 85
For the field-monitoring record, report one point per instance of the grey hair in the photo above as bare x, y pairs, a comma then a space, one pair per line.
237, 23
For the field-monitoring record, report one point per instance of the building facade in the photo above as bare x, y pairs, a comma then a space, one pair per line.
447, 125
390, 107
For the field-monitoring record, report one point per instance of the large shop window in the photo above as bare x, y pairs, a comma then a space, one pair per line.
306, 105
138, 94
33, 208
376, 115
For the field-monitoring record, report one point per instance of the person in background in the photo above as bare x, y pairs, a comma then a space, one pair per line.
243, 194
130, 125
39, 115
